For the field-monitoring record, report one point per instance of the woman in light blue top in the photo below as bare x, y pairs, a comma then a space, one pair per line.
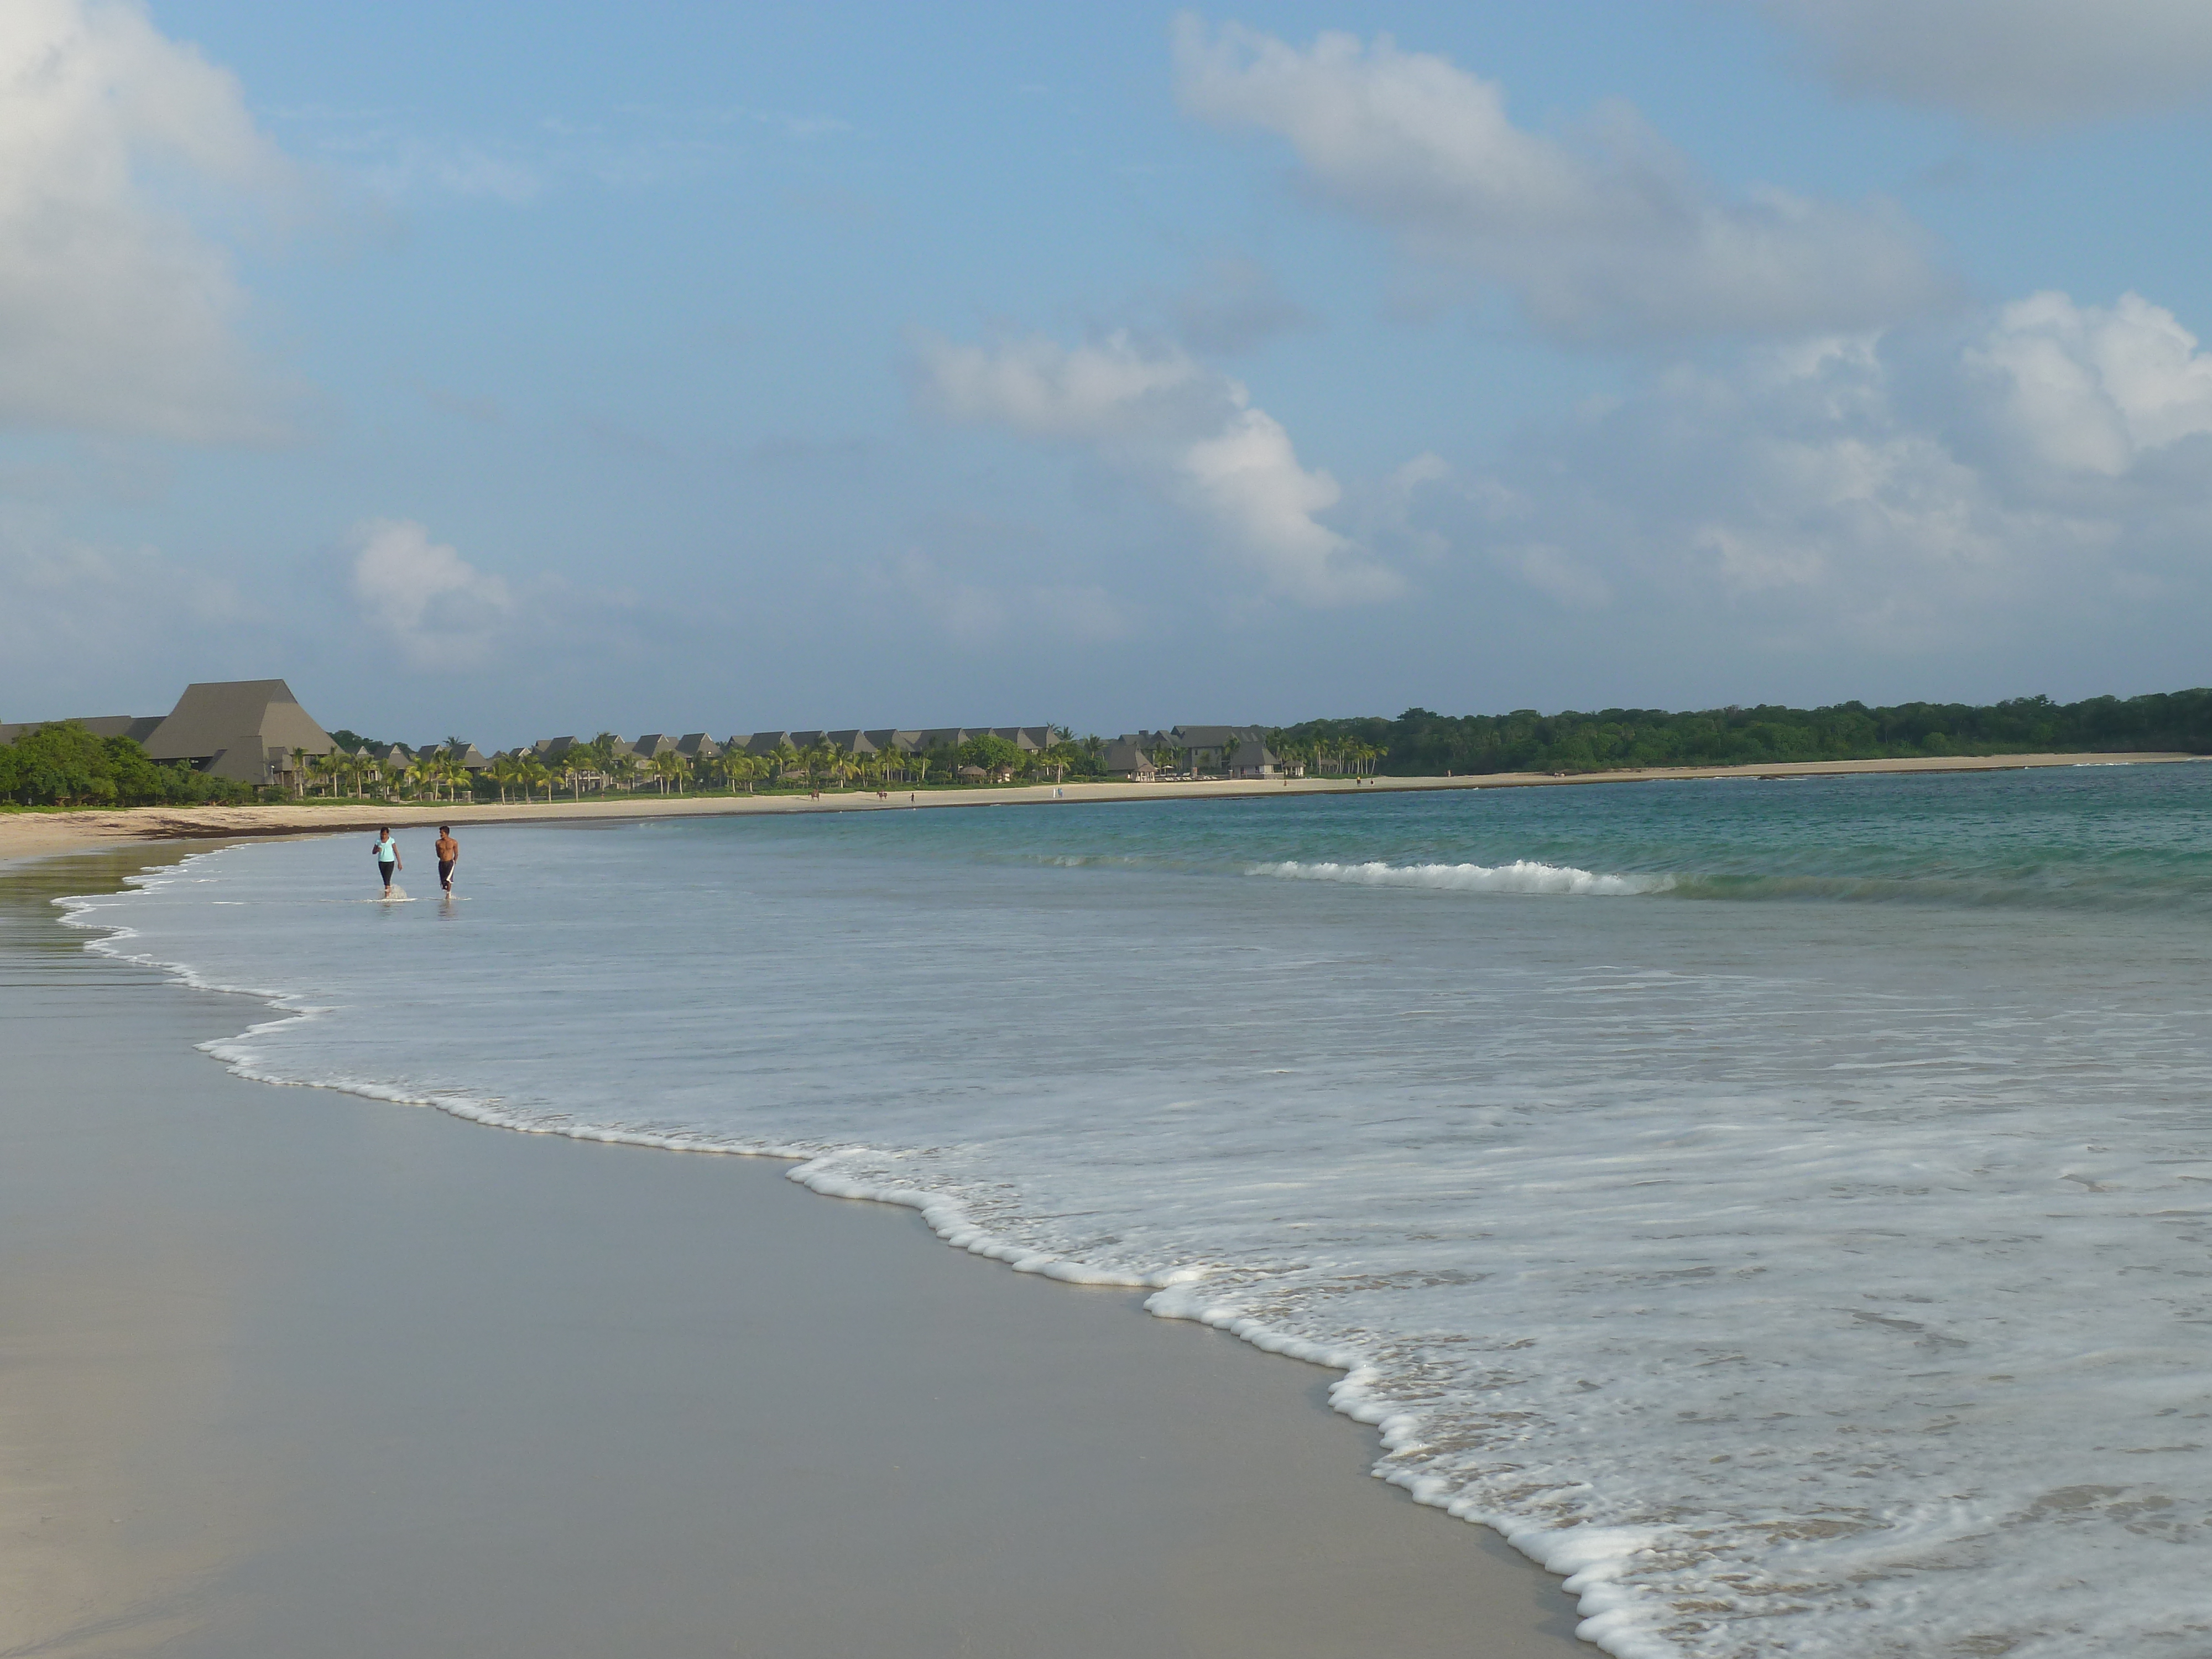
387, 857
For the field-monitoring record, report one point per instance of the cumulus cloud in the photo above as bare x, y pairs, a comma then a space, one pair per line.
2013, 62
1895, 494
437, 608
1109, 389
2093, 389
117, 312
1618, 240
1190, 432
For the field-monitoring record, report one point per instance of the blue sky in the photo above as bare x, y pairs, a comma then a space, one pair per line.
516, 370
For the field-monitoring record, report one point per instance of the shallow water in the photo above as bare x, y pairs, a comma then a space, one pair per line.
1783, 1205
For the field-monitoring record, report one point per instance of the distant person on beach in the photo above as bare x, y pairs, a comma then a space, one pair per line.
449, 854
387, 856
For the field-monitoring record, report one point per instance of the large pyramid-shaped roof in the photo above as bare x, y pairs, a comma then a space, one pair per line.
235, 723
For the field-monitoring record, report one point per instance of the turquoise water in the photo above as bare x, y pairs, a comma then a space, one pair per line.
1784, 1206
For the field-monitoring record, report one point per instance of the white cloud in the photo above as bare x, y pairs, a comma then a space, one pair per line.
2091, 390
2014, 63
117, 312
1043, 388
1247, 478
2050, 467
440, 610
1622, 241
1190, 432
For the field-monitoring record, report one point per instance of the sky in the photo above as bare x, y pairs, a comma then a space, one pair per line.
510, 370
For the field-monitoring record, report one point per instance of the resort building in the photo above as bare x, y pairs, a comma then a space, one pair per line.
1229, 752
1127, 757
885, 740
464, 754
249, 731
138, 728
1232, 751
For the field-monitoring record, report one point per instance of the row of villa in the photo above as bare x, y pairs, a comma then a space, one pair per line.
1238, 751
256, 732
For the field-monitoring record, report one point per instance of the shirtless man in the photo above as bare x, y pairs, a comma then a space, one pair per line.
449, 854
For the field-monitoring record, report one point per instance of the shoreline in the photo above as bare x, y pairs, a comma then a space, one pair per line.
39, 834
279, 1378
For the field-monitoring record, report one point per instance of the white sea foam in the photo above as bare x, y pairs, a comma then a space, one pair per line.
1523, 876
1819, 1281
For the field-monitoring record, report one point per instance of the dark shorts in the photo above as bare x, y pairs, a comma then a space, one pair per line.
445, 872
386, 870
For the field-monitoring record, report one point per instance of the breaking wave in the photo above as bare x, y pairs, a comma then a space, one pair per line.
1523, 876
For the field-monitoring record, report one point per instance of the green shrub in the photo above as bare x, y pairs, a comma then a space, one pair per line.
65, 765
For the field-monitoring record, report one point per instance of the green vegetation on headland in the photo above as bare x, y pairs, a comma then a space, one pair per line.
65, 765
1419, 744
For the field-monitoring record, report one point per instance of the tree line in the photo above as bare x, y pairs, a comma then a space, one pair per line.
1423, 744
605, 762
65, 765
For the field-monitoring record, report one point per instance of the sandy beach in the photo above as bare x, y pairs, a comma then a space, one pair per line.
33, 835
285, 1372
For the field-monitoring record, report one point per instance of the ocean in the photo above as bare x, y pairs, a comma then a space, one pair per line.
1783, 1206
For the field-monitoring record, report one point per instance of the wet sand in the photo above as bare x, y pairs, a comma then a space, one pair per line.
286, 1372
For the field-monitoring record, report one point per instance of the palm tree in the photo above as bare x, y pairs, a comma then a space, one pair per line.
785, 758
598, 759
668, 767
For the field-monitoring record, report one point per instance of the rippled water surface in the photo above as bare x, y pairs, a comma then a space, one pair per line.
1786, 1204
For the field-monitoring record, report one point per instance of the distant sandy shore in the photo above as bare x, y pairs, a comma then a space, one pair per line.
34, 835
